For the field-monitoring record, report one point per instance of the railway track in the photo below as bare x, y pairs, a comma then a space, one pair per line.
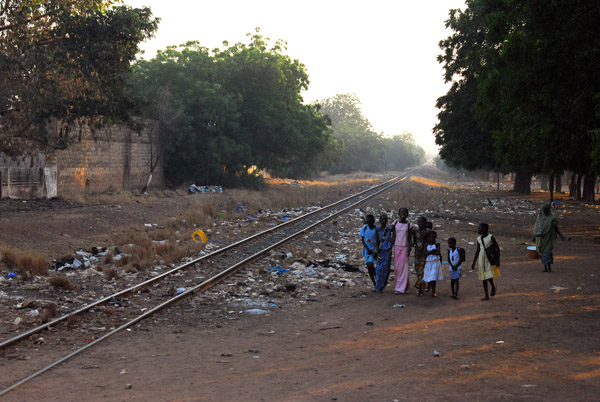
150, 296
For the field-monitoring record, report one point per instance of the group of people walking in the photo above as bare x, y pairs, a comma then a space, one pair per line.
400, 238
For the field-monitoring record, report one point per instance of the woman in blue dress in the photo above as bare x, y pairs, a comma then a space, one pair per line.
384, 253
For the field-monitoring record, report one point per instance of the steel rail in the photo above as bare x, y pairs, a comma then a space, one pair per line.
218, 277
133, 288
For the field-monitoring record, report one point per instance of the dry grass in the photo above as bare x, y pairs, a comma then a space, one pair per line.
50, 311
9, 257
108, 258
201, 216
429, 182
110, 197
62, 283
124, 260
202, 212
167, 249
285, 197
208, 210
111, 273
164, 244
31, 265
162, 233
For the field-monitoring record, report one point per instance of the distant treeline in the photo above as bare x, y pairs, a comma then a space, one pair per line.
357, 147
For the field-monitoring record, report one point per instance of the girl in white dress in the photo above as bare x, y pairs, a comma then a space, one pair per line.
433, 266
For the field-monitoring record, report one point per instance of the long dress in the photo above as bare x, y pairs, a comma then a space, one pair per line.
483, 264
433, 267
384, 260
401, 251
420, 247
545, 231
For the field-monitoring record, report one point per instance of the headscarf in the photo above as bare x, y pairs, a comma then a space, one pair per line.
543, 223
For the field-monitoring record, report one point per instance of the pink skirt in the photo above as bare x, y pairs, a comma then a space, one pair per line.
401, 268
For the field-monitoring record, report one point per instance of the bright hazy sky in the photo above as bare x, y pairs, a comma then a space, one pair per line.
384, 51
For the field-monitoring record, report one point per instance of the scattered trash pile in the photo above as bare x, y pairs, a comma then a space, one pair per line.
255, 293
194, 189
84, 259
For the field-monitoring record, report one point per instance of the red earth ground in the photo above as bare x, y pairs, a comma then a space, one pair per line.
537, 339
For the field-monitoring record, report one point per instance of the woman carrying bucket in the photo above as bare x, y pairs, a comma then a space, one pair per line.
545, 231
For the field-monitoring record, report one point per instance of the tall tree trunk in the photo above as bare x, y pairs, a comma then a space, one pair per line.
498, 180
551, 187
578, 189
558, 182
589, 182
573, 185
522, 183
543, 182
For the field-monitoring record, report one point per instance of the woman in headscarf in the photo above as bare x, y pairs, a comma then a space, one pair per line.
545, 231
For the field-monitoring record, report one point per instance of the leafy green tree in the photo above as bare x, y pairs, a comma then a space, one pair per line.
532, 64
64, 62
464, 144
231, 109
361, 147
543, 87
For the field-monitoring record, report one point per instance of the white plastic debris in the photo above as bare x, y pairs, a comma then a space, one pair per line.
256, 311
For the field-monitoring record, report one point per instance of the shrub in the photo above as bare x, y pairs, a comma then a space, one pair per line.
9, 257
62, 283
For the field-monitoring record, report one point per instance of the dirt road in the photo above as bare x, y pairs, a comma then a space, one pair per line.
537, 339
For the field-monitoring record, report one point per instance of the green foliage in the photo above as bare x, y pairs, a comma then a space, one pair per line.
64, 62
358, 147
224, 111
524, 92
401, 151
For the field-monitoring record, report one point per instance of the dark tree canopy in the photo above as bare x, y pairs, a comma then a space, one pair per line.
64, 62
225, 111
525, 86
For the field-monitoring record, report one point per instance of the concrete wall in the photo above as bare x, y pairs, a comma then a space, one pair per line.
110, 159
22, 177
115, 159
